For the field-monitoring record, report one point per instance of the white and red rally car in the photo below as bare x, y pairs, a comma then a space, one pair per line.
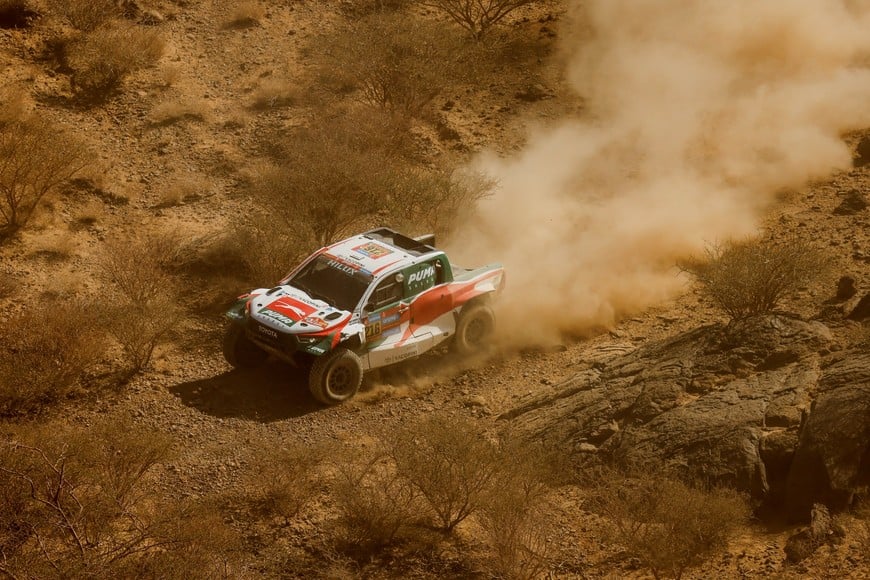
366, 302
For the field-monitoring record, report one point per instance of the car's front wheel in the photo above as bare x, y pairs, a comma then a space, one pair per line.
336, 376
240, 351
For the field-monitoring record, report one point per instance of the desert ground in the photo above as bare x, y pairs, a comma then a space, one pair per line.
202, 148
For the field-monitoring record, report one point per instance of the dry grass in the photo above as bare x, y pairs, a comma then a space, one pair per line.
275, 93
285, 479
246, 14
184, 187
86, 15
174, 111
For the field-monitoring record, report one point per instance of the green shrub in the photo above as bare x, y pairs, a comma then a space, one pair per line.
102, 59
750, 277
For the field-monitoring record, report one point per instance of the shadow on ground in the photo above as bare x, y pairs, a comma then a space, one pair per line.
272, 392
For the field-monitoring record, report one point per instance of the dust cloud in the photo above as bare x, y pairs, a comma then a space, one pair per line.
697, 114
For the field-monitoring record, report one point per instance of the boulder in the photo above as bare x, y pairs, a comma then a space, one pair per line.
853, 202
832, 458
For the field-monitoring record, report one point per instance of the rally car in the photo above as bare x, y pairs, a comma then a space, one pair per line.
366, 302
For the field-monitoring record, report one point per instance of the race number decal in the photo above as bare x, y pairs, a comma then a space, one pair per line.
373, 330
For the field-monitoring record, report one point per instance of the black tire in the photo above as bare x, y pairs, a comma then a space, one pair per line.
474, 329
240, 351
336, 376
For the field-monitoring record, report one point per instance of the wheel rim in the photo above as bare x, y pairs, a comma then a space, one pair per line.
340, 381
476, 330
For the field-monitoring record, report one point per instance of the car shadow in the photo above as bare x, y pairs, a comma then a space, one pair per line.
272, 392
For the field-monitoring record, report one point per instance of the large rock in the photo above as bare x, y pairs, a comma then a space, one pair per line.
832, 458
722, 403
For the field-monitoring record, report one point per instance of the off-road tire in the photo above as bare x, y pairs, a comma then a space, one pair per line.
474, 329
336, 376
240, 351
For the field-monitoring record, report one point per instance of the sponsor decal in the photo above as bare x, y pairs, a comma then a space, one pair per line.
401, 356
267, 331
373, 250
391, 319
422, 275
314, 321
316, 349
276, 316
343, 266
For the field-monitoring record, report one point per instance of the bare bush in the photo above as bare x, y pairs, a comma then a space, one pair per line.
436, 200
267, 246
668, 525
35, 159
86, 15
324, 188
375, 502
69, 501
144, 312
393, 62
450, 462
44, 352
287, 478
751, 277
101, 60
476, 16
515, 514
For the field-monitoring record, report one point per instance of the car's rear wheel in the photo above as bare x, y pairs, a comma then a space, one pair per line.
474, 330
240, 351
336, 376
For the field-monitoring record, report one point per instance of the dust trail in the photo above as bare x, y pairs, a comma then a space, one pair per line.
699, 112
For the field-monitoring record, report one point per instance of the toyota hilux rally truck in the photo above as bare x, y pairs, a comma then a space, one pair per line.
366, 302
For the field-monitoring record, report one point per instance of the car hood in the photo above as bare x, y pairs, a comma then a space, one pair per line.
291, 310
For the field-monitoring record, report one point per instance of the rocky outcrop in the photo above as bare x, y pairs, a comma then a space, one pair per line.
832, 458
730, 404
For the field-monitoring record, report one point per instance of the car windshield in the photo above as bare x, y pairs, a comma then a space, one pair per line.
335, 281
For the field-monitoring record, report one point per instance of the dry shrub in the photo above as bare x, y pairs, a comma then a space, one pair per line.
666, 524
144, 311
265, 246
101, 60
287, 478
361, 8
86, 15
515, 514
436, 200
476, 16
750, 277
392, 62
35, 159
170, 112
44, 352
246, 14
374, 501
184, 187
17, 13
74, 505
275, 93
449, 462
